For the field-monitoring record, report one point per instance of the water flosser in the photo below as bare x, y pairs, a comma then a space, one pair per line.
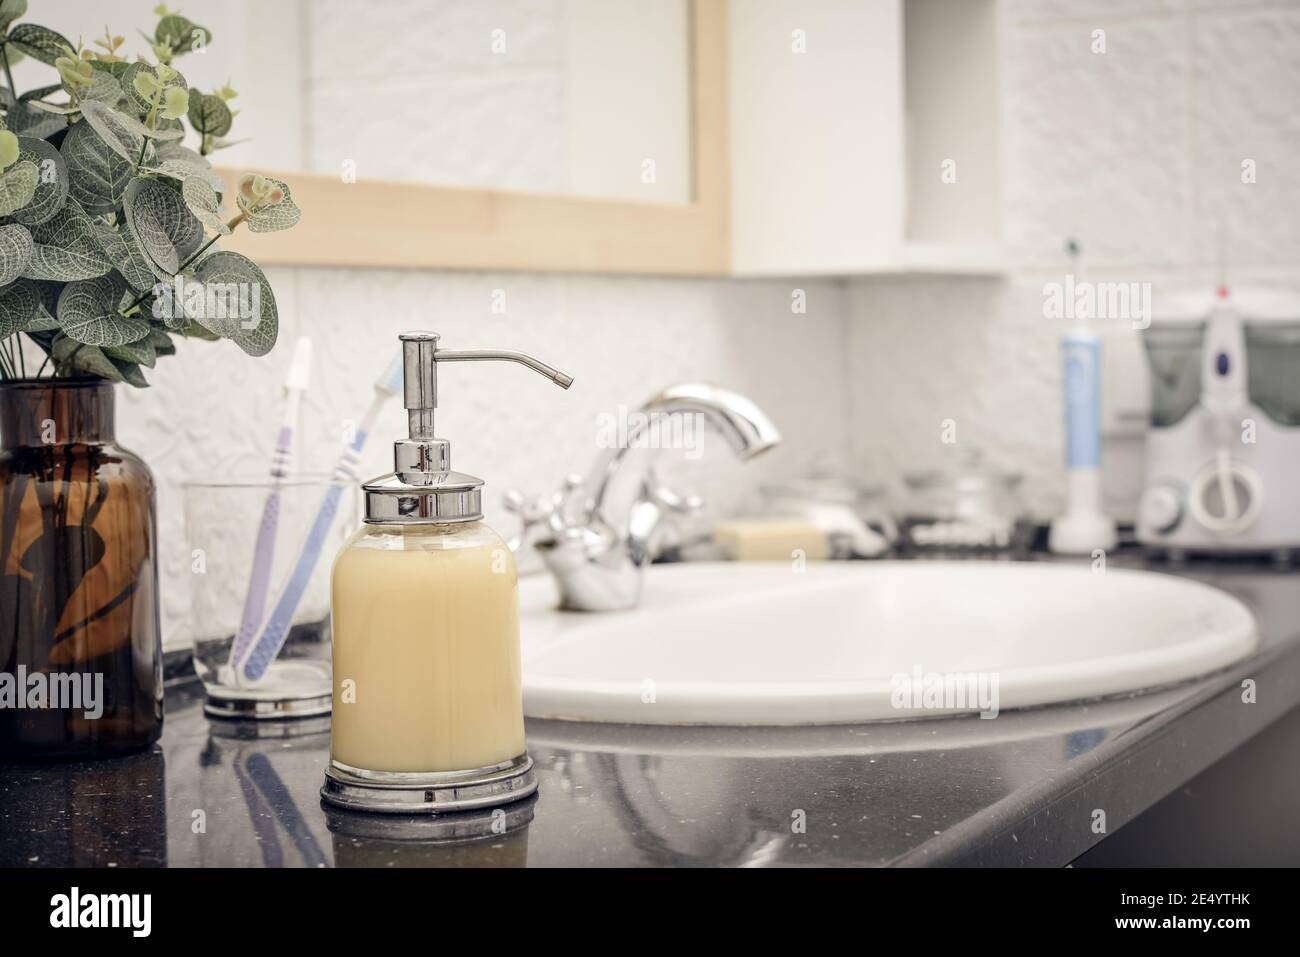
1084, 527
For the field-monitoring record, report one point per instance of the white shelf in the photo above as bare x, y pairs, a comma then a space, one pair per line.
952, 259
839, 151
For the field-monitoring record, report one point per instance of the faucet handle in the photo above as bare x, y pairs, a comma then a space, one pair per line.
669, 500
662, 517
571, 502
530, 510
534, 514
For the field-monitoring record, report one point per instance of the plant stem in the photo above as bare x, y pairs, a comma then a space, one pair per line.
4, 57
150, 121
43, 365
22, 359
183, 266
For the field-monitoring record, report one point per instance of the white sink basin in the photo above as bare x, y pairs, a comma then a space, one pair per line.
759, 644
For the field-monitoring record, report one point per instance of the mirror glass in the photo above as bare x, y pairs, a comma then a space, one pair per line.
577, 97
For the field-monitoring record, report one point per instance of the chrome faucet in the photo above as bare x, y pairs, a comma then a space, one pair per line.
596, 534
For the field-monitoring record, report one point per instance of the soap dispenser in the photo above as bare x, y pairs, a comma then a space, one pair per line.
428, 705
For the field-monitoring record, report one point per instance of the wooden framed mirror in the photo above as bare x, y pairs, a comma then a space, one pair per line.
391, 224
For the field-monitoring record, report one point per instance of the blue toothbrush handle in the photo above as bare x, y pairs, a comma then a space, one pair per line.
277, 626
278, 797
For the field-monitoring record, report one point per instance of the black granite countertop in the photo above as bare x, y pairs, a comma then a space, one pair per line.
1018, 790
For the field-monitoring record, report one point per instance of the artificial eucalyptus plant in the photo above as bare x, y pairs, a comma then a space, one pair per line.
108, 221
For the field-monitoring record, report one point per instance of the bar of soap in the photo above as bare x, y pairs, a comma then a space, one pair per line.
770, 539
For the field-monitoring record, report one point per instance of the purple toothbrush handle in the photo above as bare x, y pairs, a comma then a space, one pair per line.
277, 627
259, 579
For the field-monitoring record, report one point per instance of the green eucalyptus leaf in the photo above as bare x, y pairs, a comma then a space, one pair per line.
66, 265
161, 224
165, 130
178, 78
140, 105
130, 372
16, 248
181, 34
42, 321
237, 302
41, 92
87, 312
221, 144
137, 103
114, 68
162, 342
11, 10
172, 152
104, 88
120, 132
123, 254
20, 302
209, 114
204, 203
58, 109
49, 294
192, 330
166, 308
39, 43
26, 120
140, 352
69, 227
277, 216
181, 170
167, 126
71, 355
18, 186
114, 126
52, 182
65, 250
97, 173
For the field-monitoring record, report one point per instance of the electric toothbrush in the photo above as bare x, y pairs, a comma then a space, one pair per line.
1084, 527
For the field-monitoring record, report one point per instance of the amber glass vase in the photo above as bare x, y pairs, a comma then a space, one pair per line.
80, 650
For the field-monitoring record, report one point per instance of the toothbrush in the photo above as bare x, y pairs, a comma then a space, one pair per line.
1084, 526
263, 774
252, 667
295, 384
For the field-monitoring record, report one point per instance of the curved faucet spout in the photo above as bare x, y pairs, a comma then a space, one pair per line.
600, 529
617, 479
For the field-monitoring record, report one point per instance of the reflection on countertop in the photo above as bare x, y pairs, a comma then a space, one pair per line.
943, 790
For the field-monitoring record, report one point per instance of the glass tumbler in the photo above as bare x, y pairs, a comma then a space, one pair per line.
261, 552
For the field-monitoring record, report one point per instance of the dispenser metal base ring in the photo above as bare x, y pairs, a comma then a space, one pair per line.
268, 709
393, 792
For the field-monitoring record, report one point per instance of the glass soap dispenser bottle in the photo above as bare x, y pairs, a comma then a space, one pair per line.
428, 706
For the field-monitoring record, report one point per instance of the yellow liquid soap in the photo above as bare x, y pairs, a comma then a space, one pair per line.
426, 650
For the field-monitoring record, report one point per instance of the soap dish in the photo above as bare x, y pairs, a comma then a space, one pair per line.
393, 792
